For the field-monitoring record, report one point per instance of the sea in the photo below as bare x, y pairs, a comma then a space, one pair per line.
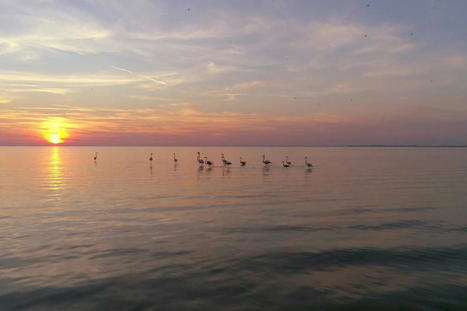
367, 228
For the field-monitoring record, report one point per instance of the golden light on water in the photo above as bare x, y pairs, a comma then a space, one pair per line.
55, 130
54, 179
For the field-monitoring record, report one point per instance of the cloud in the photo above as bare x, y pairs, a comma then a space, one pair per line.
456, 61
246, 85
62, 33
390, 69
140, 75
385, 40
82, 80
325, 36
4, 100
231, 92
57, 91
214, 68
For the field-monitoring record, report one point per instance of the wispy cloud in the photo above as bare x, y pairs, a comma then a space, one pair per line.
140, 75
5, 100
57, 91
230, 93
214, 68
84, 79
456, 61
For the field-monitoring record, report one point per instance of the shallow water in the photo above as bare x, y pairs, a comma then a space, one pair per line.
366, 229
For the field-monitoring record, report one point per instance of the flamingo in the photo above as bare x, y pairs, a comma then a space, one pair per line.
150, 158
175, 159
95, 157
285, 164
226, 163
308, 164
207, 161
200, 161
266, 162
287, 160
242, 163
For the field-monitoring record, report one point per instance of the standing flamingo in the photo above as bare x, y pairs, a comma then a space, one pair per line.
226, 163
242, 163
207, 161
266, 162
308, 164
287, 160
150, 158
95, 157
200, 161
175, 159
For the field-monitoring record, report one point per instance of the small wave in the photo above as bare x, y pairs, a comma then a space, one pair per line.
413, 259
397, 225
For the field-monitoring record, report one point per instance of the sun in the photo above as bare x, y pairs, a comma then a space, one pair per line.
55, 139
55, 130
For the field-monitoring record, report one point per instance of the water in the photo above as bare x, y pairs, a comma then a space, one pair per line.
366, 229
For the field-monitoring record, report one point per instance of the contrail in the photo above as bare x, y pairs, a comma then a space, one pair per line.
122, 69
140, 75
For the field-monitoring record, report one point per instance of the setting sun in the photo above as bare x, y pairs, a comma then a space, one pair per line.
55, 130
55, 139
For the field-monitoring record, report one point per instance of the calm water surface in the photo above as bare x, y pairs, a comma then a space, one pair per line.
366, 229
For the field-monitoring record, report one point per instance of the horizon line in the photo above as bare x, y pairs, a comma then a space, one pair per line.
240, 145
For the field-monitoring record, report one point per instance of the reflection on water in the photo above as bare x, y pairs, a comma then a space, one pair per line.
55, 170
225, 171
365, 228
266, 170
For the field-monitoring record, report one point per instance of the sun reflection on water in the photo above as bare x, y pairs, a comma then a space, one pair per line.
55, 170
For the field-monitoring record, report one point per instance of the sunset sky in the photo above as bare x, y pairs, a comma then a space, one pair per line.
233, 72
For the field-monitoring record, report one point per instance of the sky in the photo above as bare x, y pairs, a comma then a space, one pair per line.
266, 72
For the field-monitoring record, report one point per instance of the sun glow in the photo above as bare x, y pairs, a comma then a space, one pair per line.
55, 130
55, 139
